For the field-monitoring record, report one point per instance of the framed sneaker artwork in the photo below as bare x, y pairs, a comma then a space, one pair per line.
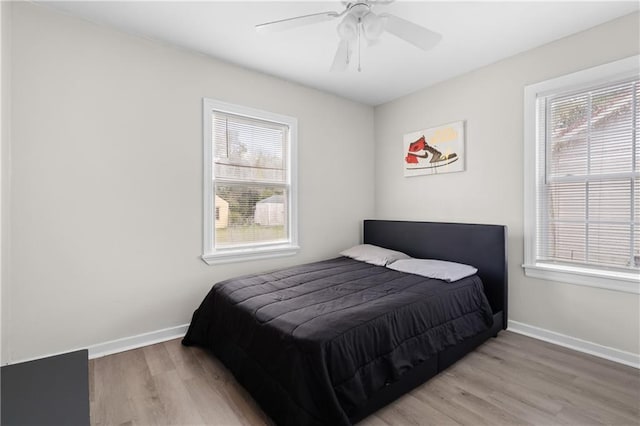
435, 150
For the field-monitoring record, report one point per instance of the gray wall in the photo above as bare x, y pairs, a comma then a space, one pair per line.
490, 99
3, 128
106, 186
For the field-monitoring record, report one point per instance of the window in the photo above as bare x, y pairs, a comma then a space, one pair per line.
582, 177
249, 183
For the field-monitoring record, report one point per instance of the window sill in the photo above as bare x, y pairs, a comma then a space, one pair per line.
627, 282
239, 255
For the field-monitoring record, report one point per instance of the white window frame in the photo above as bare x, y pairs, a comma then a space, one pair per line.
588, 276
210, 254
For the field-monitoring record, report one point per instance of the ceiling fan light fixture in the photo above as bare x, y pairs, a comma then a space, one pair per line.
373, 26
348, 28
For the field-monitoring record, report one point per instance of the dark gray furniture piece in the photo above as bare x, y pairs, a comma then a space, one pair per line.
48, 391
290, 376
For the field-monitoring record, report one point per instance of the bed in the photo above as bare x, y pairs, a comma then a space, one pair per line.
331, 342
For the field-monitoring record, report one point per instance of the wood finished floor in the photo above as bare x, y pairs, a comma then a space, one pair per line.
509, 380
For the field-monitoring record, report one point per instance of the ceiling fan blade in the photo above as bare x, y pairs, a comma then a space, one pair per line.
341, 59
412, 33
298, 21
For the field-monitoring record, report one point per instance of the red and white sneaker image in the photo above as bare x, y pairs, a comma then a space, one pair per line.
420, 149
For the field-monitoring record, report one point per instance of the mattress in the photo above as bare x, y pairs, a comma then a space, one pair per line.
313, 342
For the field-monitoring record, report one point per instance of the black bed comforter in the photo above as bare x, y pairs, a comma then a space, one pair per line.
311, 343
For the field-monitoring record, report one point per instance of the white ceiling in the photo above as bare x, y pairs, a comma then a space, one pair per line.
474, 34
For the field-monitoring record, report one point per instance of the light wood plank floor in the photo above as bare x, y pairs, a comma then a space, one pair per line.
509, 380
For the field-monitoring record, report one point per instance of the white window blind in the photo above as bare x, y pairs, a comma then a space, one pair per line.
249, 183
250, 175
588, 161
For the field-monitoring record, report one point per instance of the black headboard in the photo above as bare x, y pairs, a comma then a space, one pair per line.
482, 246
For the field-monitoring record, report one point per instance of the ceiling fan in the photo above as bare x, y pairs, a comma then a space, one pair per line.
358, 20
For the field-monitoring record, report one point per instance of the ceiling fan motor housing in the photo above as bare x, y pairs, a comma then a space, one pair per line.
359, 9
360, 14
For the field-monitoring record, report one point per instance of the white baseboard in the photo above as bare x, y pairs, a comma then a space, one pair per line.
138, 341
120, 345
606, 352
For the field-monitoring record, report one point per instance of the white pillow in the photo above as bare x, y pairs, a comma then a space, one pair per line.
373, 254
439, 269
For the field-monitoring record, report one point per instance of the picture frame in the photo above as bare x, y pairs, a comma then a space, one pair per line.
434, 150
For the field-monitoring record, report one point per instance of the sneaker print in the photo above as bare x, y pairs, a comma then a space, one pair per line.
421, 149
